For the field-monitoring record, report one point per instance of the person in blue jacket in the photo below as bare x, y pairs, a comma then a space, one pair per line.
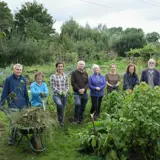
39, 90
97, 84
130, 78
16, 94
15, 84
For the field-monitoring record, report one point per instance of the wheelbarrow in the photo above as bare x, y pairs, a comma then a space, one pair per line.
35, 141
33, 136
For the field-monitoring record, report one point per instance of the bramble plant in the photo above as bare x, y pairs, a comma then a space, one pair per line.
130, 129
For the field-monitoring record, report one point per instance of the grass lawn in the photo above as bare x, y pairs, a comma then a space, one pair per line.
65, 143
63, 146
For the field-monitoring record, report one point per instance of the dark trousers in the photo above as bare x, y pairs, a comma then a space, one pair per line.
96, 105
80, 104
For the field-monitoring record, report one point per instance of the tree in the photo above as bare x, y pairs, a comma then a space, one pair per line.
131, 38
70, 28
152, 37
146, 52
33, 18
115, 30
36, 30
88, 26
6, 18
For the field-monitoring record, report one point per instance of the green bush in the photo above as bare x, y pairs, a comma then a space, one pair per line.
131, 128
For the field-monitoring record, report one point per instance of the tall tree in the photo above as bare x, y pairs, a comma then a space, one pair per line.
33, 18
70, 28
6, 18
130, 38
115, 30
152, 37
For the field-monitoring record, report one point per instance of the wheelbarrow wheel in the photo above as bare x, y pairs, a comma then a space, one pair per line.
36, 143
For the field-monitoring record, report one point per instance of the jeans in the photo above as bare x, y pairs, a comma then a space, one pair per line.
60, 102
80, 104
96, 105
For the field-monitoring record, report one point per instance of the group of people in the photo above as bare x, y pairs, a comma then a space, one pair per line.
80, 82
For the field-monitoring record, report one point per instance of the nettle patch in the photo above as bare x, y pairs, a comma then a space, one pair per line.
131, 129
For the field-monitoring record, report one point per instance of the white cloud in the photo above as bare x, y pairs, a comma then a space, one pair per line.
58, 25
125, 13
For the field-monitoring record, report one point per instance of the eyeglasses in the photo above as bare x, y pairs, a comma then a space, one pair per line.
151, 63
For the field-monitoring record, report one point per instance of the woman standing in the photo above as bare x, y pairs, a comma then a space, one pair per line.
130, 78
60, 86
39, 90
97, 84
113, 79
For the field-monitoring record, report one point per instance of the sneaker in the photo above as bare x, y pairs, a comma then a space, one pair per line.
76, 122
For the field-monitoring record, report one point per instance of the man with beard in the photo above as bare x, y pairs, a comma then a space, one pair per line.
151, 75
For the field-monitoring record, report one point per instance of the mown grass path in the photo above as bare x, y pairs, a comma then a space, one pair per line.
63, 146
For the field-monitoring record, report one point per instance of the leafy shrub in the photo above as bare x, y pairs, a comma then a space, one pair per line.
131, 128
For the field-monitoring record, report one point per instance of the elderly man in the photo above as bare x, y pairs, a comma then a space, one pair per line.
151, 75
15, 92
79, 82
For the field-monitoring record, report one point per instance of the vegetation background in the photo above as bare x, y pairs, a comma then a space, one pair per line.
28, 37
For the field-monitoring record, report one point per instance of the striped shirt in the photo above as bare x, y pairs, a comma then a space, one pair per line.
59, 83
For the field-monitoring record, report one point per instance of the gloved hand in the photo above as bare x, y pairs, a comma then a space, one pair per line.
64, 94
114, 86
42, 94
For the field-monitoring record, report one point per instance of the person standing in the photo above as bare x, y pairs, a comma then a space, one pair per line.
60, 86
112, 79
79, 82
16, 94
151, 75
130, 78
97, 84
39, 90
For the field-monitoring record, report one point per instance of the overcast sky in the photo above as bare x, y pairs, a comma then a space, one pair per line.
143, 14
